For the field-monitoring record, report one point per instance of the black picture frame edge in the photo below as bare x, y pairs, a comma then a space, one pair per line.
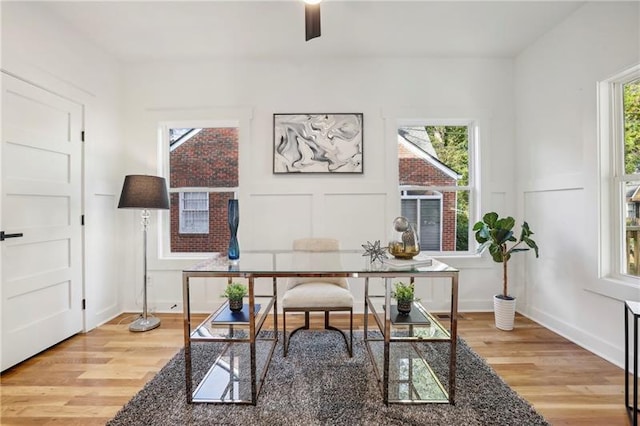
298, 173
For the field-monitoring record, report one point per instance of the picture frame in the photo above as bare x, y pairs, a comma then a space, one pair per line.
325, 143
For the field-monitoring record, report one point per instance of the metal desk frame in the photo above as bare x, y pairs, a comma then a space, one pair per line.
385, 329
632, 308
219, 267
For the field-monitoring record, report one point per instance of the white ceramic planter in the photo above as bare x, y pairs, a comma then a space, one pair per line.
504, 311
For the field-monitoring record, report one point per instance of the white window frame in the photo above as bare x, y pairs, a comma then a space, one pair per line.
612, 281
473, 186
242, 124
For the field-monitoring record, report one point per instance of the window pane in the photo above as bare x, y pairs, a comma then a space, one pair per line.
409, 209
632, 127
631, 191
461, 207
430, 215
436, 156
632, 229
204, 158
441, 219
194, 213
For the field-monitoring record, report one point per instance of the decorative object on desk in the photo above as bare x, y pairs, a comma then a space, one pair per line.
146, 193
375, 252
407, 245
233, 213
408, 264
404, 295
496, 234
317, 143
235, 292
316, 384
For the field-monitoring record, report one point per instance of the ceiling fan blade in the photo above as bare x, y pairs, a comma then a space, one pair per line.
312, 20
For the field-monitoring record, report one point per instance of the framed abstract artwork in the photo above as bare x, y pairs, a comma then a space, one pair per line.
317, 143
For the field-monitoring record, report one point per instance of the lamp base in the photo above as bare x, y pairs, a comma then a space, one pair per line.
142, 324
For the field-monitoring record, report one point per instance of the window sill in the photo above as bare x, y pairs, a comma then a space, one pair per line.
615, 288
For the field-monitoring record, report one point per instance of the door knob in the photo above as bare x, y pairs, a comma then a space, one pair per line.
4, 236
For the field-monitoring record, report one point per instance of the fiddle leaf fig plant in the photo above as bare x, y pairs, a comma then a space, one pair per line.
497, 235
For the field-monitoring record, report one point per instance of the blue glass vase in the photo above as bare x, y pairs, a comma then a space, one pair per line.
233, 212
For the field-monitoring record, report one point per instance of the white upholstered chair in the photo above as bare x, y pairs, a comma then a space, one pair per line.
317, 294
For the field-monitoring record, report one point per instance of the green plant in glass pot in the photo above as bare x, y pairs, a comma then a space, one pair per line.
497, 235
235, 292
404, 295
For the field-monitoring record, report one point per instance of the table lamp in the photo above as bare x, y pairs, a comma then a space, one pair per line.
146, 193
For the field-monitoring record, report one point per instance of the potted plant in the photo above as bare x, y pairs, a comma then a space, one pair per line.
496, 234
404, 295
235, 292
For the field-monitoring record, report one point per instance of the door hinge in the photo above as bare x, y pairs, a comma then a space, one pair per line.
82, 136
84, 304
81, 220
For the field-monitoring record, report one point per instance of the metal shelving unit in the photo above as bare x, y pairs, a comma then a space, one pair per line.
226, 359
403, 371
240, 349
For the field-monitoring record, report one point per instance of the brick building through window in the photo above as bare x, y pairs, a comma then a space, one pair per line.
432, 212
203, 177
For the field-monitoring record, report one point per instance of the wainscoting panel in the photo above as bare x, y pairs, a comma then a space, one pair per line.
343, 218
274, 220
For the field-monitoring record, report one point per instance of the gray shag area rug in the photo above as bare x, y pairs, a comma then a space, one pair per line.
318, 384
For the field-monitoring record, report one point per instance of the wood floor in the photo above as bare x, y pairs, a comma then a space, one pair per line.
86, 379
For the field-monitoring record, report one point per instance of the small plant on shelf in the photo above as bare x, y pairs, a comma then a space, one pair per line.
235, 292
404, 295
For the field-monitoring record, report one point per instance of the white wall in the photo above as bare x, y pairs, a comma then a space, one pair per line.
558, 169
355, 208
40, 49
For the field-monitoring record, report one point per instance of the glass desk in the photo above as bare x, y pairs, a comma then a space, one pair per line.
237, 365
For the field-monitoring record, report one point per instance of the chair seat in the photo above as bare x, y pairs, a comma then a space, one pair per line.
317, 295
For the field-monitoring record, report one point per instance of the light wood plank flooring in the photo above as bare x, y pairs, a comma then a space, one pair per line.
86, 379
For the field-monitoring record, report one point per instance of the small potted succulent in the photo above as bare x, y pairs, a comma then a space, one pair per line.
404, 295
235, 292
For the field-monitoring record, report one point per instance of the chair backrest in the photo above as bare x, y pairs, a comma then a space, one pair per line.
319, 253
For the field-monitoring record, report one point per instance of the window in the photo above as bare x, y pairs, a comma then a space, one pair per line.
202, 169
435, 171
425, 213
194, 213
619, 112
628, 177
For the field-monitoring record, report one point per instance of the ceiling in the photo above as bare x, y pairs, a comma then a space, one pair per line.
143, 31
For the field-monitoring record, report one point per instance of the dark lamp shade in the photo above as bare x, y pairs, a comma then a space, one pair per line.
144, 192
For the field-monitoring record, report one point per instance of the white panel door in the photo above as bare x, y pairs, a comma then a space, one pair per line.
41, 199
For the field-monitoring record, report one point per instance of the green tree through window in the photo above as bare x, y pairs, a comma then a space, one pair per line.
632, 127
452, 145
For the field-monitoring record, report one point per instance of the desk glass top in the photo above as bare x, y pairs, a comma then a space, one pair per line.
308, 263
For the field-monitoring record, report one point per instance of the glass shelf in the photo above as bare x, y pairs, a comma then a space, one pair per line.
218, 327
426, 328
229, 378
411, 379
